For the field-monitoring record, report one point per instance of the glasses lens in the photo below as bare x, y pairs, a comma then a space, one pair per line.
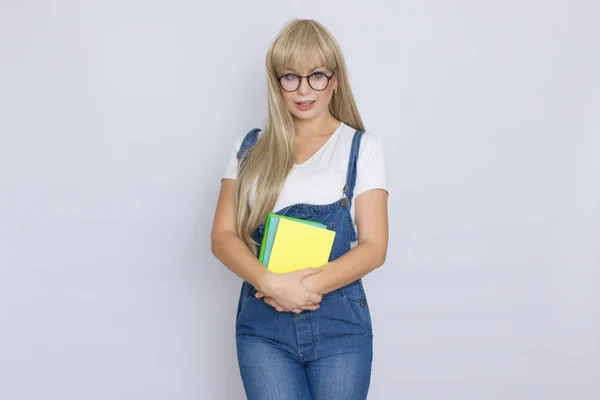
318, 81
289, 82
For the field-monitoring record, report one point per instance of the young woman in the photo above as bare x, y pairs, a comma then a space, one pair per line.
305, 334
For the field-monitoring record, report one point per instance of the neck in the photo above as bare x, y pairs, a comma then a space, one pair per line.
317, 126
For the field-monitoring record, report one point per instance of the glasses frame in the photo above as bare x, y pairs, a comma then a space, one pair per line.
307, 77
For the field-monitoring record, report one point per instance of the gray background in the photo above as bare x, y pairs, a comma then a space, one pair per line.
116, 118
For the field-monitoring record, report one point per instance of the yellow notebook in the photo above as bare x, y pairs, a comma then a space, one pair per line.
298, 245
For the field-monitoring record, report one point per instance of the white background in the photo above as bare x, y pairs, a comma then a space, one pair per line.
116, 119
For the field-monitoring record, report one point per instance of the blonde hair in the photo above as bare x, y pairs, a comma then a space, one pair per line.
301, 44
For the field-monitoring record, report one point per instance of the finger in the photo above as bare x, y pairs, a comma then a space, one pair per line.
311, 308
259, 295
315, 298
273, 304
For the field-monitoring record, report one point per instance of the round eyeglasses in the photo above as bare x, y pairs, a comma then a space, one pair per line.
317, 81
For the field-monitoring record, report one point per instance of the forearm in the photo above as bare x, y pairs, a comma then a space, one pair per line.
234, 254
351, 266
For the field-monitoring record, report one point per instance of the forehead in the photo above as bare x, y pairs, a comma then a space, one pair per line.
303, 63
303, 59
307, 70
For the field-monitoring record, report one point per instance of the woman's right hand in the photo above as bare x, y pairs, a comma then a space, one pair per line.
288, 290
272, 303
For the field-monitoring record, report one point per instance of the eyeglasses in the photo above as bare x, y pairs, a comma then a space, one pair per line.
317, 81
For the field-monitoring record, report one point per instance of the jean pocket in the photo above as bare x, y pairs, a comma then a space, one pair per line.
355, 300
243, 299
239, 306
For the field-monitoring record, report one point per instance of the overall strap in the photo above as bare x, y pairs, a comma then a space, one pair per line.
247, 143
352, 166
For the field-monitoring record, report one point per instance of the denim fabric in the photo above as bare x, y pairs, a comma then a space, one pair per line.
324, 354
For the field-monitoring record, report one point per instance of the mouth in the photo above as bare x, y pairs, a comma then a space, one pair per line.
305, 103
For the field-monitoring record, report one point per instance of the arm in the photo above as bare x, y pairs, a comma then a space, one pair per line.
227, 246
370, 253
286, 289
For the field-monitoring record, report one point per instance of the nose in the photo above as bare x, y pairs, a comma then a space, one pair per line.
304, 87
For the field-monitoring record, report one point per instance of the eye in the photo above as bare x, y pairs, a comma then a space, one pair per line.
319, 75
289, 77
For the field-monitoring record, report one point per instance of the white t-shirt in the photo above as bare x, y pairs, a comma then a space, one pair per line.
321, 178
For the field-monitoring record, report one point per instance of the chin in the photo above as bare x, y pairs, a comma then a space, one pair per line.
306, 115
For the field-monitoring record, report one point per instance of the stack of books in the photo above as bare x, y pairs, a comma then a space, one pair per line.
290, 244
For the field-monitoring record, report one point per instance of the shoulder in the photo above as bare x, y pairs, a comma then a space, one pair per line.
371, 164
370, 143
247, 140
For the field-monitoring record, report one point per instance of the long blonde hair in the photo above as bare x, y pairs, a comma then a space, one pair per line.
300, 44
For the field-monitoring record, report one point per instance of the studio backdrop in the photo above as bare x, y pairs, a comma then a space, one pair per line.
116, 121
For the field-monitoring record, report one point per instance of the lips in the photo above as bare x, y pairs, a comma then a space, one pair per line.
305, 103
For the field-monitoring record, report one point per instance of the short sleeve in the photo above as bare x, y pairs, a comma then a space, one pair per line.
231, 169
371, 165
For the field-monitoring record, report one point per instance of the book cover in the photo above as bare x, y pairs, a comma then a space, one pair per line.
299, 245
270, 230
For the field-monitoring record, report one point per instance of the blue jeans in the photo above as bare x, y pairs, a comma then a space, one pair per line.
324, 354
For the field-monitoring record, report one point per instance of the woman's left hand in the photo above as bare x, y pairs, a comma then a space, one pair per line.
307, 282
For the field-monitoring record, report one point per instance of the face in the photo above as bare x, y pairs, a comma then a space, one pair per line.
307, 101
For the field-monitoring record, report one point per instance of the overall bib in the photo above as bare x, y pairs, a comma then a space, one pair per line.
324, 354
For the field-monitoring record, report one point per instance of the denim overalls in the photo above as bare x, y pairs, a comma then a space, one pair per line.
324, 354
